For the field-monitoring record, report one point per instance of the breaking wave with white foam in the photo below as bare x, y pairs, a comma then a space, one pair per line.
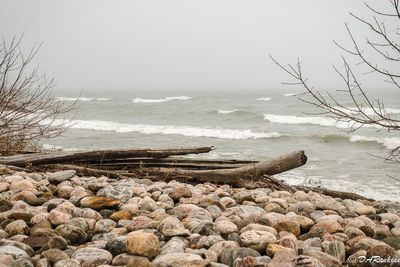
369, 111
53, 148
290, 94
160, 100
264, 99
388, 142
321, 121
83, 99
224, 112
188, 131
315, 120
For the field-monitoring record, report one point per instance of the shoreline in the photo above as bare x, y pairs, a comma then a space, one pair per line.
60, 218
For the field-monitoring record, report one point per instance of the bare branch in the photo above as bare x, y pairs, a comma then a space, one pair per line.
28, 111
366, 112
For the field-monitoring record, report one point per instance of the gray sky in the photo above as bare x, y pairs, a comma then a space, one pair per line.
181, 44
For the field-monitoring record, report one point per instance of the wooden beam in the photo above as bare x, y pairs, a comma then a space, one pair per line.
88, 155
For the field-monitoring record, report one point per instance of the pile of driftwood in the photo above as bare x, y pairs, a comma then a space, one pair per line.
168, 164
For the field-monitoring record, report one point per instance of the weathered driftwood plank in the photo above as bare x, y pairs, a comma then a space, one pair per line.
248, 176
83, 171
249, 172
333, 193
71, 156
248, 181
141, 173
194, 165
12, 168
177, 162
166, 160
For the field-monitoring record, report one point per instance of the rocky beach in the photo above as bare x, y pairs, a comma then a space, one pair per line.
59, 219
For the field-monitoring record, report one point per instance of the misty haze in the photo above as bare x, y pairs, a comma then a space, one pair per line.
243, 108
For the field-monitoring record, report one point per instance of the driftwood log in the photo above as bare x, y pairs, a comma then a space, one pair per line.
162, 164
169, 162
265, 181
251, 175
71, 156
238, 176
333, 193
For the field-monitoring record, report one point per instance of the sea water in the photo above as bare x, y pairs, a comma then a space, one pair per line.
242, 124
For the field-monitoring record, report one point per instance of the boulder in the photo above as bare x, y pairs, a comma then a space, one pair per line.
89, 256
335, 248
55, 255
171, 226
180, 192
328, 226
285, 258
142, 244
225, 227
229, 256
323, 257
288, 226
180, 260
257, 240
97, 202
58, 177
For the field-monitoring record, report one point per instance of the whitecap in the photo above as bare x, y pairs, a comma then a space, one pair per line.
388, 142
368, 111
166, 129
48, 147
288, 119
264, 99
314, 120
178, 97
224, 112
142, 100
290, 94
83, 99
160, 100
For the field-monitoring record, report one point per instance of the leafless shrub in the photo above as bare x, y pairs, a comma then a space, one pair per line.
385, 28
28, 111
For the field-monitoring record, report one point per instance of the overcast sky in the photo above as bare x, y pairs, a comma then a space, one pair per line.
153, 44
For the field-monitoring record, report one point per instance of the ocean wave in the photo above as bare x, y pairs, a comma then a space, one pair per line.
83, 99
289, 119
52, 148
166, 129
160, 100
368, 111
314, 120
48, 147
290, 94
224, 112
223, 155
388, 142
331, 137
238, 113
264, 99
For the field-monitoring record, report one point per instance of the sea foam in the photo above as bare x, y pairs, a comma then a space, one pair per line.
160, 100
368, 111
288, 119
83, 99
264, 99
388, 142
314, 120
166, 129
224, 112
290, 94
